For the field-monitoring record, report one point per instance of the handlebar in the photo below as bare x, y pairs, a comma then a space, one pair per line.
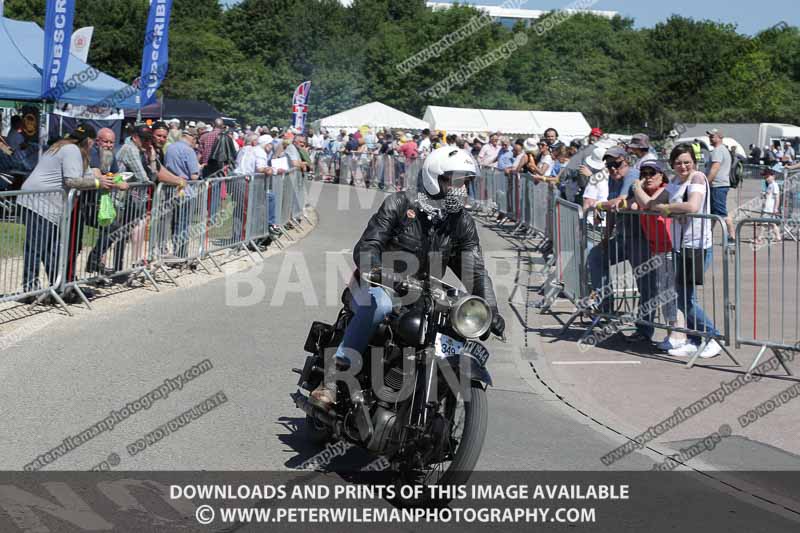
406, 284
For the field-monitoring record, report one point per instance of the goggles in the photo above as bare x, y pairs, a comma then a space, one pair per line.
455, 178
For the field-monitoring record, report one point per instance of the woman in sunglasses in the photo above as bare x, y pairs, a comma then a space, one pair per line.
647, 193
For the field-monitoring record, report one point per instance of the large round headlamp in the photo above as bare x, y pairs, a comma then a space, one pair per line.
471, 316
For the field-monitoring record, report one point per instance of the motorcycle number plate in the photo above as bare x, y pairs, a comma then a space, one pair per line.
447, 346
477, 351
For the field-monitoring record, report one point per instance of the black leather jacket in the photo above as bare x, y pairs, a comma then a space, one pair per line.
400, 234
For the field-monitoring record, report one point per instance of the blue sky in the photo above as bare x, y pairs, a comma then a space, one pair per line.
750, 17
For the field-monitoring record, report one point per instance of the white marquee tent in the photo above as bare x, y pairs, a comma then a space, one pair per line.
570, 125
374, 114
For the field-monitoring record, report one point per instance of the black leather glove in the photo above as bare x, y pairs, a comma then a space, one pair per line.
375, 275
498, 325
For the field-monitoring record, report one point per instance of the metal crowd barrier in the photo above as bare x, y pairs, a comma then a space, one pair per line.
31, 235
298, 194
178, 225
326, 167
356, 169
632, 274
384, 168
482, 187
150, 227
790, 203
227, 214
287, 192
568, 249
500, 191
118, 248
767, 299
261, 213
413, 175
754, 172
542, 196
388, 172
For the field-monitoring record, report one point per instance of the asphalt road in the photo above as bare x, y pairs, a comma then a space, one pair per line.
63, 380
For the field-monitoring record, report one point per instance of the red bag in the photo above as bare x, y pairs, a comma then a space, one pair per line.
658, 231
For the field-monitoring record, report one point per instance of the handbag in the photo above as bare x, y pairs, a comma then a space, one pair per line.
691, 261
691, 267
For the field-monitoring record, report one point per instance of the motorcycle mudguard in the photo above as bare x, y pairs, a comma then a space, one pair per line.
477, 372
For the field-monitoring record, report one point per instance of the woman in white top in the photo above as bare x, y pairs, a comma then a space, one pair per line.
689, 193
545, 159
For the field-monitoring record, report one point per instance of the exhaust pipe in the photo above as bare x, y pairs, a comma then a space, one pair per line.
301, 401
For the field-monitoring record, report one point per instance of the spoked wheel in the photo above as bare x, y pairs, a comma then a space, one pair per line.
461, 430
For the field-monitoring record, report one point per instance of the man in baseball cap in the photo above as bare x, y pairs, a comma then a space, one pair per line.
595, 135
81, 132
623, 243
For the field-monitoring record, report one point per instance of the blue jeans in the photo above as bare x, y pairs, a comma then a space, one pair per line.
272, 217
370, 306
696, 319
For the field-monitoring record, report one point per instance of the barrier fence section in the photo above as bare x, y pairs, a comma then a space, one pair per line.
500, 191
484, 190
570, 251
652, 271
115, 246
767, 297
31, 236
178, 225
790, 203
138, 230
261, 212
298, 194
364, 169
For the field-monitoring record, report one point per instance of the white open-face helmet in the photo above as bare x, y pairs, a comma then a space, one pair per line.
447, 162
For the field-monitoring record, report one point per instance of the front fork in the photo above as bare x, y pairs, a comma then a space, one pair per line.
423, 401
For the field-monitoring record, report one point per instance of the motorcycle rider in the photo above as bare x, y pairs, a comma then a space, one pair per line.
432, 231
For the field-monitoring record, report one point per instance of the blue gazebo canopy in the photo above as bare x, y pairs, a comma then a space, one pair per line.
22, 44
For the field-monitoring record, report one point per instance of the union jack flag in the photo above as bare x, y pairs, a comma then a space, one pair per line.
299, 107
301, 93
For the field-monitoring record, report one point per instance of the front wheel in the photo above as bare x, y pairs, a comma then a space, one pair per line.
468, 448
463, 426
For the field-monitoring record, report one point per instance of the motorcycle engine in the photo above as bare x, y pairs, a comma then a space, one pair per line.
389, 394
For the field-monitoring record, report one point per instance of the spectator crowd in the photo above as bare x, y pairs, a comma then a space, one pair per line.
596, 173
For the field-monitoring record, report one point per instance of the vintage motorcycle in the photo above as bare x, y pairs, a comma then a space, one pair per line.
420, 392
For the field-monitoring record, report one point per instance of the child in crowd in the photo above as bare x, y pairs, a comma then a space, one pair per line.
771, 207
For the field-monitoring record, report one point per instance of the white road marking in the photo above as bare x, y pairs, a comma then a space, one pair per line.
596, 362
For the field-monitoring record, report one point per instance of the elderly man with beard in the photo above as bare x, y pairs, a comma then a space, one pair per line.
102, 162
101, 157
